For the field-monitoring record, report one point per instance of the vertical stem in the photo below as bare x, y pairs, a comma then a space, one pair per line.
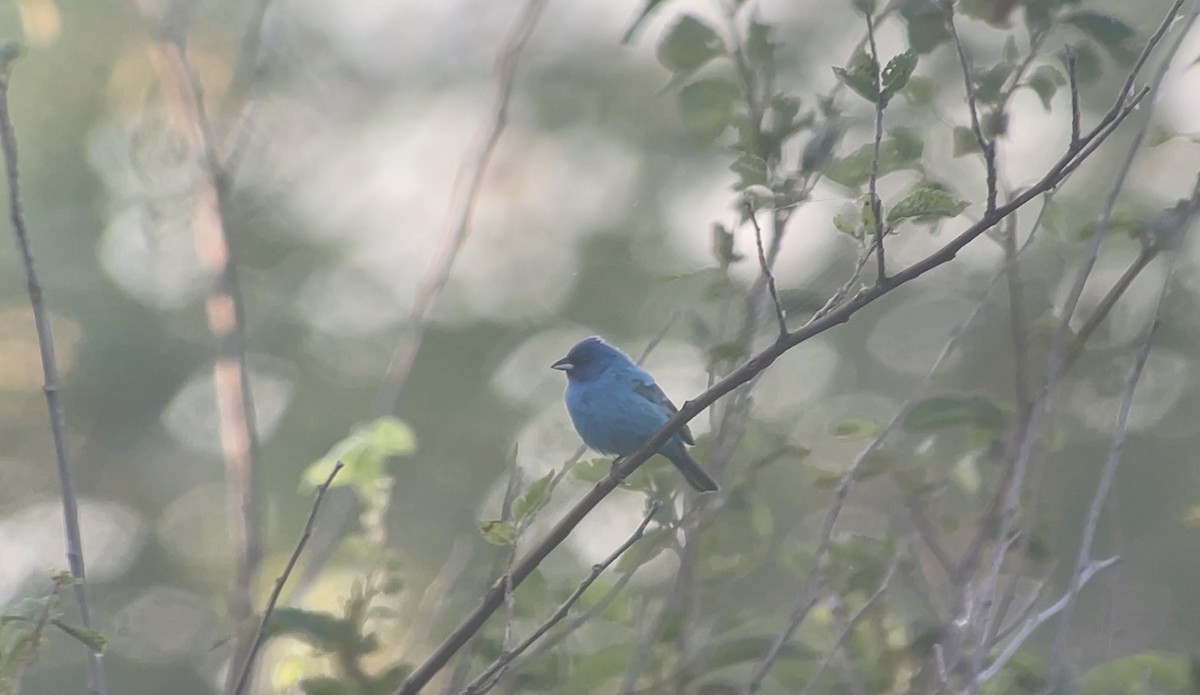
96, 682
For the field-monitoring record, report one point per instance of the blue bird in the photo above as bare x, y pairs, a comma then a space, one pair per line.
616, 406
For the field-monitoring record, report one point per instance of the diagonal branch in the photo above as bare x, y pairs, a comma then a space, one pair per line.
754, 366
492, 674
468, 184
277, 589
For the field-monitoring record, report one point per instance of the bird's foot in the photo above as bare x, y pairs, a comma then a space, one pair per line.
615, 472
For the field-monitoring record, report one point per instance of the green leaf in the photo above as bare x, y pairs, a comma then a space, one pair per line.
865, 6
392, 437
751, 171
498, 532
1105, 30
90, 638
965, 141
1149, 671
760, 50
1045, 81
649, 547
895, 75
647, 9
706, 106
688, 45
920, 91
364, 454
989, 84
326, 685
592, 470
994, 123
926, 202
819, 147
533, 499
855, 428
926, 25
955, 410
1087, 62
861, 76
902, 150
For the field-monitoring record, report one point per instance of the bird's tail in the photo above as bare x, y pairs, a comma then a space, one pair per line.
692, 472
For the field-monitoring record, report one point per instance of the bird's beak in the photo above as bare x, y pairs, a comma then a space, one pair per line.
564, 364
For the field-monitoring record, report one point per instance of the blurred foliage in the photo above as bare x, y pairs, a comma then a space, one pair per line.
332, 235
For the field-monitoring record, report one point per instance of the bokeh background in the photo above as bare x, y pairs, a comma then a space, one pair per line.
594, 218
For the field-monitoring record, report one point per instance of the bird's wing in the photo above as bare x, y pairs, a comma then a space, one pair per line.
645, 387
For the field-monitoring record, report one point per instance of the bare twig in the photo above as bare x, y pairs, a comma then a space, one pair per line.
1073, 81
1107, 475
96, 681
748, 371
496, 670
780, 315
1011, 494
277, 589
848, 628
468, 184
806, 597
873, 180
1031, 625
986, 147
231, 379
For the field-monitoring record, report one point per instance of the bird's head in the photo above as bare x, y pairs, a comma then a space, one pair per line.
589, 358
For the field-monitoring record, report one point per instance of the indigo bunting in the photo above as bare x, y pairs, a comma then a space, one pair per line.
616, 406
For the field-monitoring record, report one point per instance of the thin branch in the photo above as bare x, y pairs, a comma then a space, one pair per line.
748, 371
1073, 81
805, 599
184, 99
1107, 475
873, 180
986, 146
1148, 253
277, 589
96, 681
1011, 494
496, 670
780, 315
1031, 625
468, 184
848, 628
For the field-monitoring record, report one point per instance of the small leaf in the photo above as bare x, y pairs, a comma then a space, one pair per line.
392, 437
994, 123
920, 91
925, 202
91, 639
498, 532
965, 141
534, 497
592, 470
990, 83
326, 685
1105, 30
649, 547
902, 150
1087, 62
926, 25
1045, 81
706, 106
819, 147
861, 76
688, 45
760, 50
896, 74
954, 410
855, 428
647, 9
865, 6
